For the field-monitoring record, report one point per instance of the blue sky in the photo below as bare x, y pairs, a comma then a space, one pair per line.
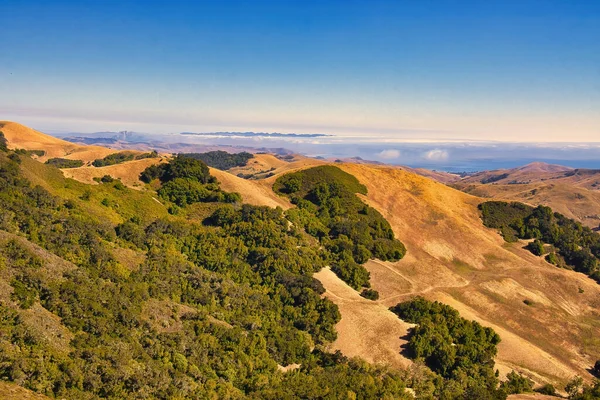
507, 70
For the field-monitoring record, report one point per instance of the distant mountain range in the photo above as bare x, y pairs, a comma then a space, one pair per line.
259, 134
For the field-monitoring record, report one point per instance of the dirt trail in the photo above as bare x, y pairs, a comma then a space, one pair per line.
368, 329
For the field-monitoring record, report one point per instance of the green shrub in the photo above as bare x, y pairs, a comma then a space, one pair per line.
152, 154
112, 159
370, 294
547, 390
3, 142
221, 159
516, 383
64, 163
536, 247
451, 346
578, 247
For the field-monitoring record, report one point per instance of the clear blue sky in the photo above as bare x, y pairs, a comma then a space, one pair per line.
501, 70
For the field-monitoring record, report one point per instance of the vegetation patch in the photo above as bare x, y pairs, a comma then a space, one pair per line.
577, 246
115, 158
328, 208
64, 163
143, 156
186, 181
221, 159
245, 266
3, 142
460, 351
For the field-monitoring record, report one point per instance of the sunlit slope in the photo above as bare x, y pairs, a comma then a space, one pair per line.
252, 191
128, 172
567, 198
11, 391
574, 193
452, 257
368, 329
22, 137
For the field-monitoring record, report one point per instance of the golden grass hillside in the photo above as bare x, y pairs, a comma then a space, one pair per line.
128, 172
572, 192
11, 391
573, 201
453, 258
22, 137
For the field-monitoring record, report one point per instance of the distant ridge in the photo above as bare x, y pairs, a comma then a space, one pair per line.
538, 166
258, 134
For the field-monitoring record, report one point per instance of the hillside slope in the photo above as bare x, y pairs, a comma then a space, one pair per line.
572, 192
453, 258
22, 137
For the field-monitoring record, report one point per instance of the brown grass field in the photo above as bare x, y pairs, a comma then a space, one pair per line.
22, 137
128, 172
453, 258
11, 391
574, 193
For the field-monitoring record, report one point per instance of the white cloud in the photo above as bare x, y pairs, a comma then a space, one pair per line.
389, 154
436, 155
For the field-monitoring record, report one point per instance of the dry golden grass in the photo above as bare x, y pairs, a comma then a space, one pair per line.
260, 163
453, 258
368, 329
252, 191
128, 172
569, 199
574, 193
22, 137
11, 391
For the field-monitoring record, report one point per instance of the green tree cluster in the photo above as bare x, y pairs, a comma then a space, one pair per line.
462, 352
186, 181
221, 159
576, 246
143, 156
112, 159
64, 163
238, 298
328, 208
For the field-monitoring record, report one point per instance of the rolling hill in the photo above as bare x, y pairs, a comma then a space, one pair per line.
572, 192
22, 137
451, 257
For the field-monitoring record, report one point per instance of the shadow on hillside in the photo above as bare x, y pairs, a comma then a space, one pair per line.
404, 349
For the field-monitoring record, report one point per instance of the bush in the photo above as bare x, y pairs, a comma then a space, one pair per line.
152, 154
452, 346
596, 369
3, 142
107, 179
516, 383
536, 247
112, 159
370, 294
64, 163
547, 390
221, 159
